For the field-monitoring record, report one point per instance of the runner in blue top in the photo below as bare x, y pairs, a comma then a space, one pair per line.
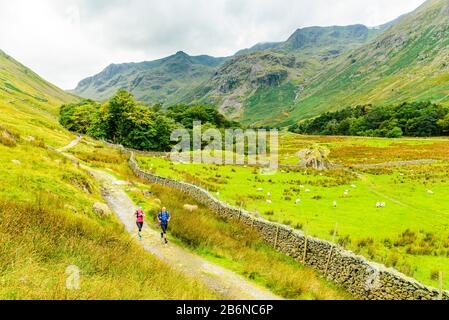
164, 218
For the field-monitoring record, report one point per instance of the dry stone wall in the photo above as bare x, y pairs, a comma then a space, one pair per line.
360, 277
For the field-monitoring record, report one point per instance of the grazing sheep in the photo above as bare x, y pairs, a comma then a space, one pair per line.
353, 186
378, 205
335, 204
260, 189
190, 207
383, 205
308, 190
298, 201
269, 201
429, 191
346, 193
268, 194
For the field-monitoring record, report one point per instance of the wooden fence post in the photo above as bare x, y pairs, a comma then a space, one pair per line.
332, 248
440, 285
276, 239
306, 238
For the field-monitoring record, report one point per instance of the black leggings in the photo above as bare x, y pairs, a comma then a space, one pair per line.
164, 228
140, 226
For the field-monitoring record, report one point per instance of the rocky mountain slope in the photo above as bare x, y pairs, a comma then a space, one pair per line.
315, 70
407, 62
183, 78
159, 81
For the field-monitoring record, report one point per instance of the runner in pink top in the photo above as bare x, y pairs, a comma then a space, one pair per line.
139, 220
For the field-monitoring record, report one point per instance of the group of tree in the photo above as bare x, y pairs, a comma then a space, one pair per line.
418, 119
122, 120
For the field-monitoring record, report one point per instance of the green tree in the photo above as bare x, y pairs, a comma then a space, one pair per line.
396, 132
120, 104
78, 117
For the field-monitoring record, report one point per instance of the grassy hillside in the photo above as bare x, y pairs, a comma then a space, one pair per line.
47, 222
160, 81
407, 62
242, 76
259, 82
232, 84
317, 69
223, 242
411, 233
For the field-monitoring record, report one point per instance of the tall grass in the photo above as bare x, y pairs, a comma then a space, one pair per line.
39, 240
239, 248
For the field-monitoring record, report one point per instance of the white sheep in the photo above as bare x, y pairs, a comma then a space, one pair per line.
378, 205
268, 194
383, 204
353, 186
308, 190
346, 193
298, 201
335, 204
190, 207
269, 201
430, 192
260, 189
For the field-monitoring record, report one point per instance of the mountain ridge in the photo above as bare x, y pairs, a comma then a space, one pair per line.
315, 70
146, 79
116, 76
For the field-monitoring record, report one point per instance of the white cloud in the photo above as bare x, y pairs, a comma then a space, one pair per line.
65, 41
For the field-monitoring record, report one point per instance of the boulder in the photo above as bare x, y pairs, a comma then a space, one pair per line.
147, 193
101, 209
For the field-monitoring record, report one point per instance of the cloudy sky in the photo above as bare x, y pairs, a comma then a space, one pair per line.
67, 40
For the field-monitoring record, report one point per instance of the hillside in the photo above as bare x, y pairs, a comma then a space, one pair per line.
28, 103
316, 69
47, 224
407, 62
159, 81
333, 39
260, 79
55, 220
228, 83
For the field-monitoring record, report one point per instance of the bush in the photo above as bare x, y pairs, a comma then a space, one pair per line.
395, 133
7, 138
434, 275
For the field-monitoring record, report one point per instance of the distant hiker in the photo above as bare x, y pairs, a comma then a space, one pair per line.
139, 220
164, 218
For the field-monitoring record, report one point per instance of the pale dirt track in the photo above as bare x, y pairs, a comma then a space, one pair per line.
223, 281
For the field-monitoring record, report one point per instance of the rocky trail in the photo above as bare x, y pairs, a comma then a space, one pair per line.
223, 281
